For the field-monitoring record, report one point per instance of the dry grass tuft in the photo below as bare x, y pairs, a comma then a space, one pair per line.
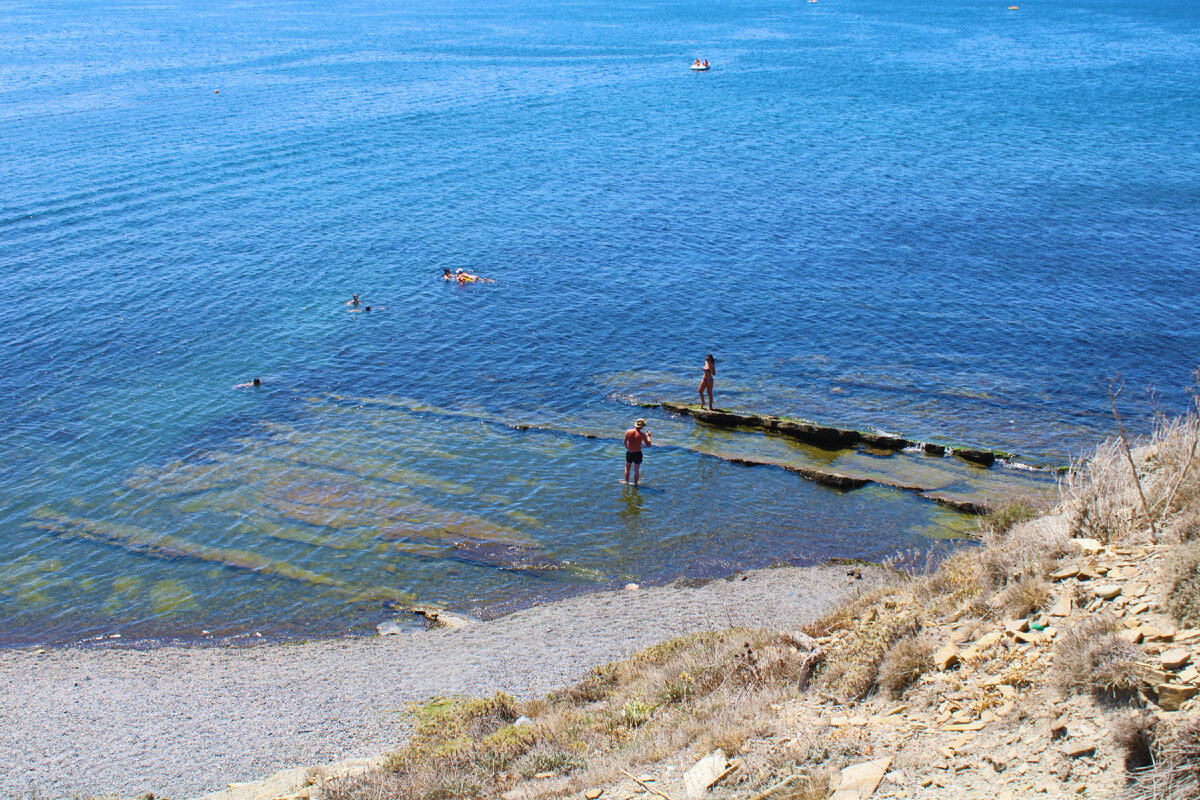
1029, 550
1029, 593
1005, 516
1135, 735
1091, 657
1102, 493
1175, 774
1183, 597
545, 759
852, 668
904, 664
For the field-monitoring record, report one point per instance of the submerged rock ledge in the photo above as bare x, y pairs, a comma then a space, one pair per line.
825, 436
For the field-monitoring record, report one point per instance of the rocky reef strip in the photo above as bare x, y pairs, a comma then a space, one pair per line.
825, 436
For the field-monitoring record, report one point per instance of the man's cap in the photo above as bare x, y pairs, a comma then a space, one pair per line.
641, 423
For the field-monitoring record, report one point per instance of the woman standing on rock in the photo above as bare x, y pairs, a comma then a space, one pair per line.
710, 369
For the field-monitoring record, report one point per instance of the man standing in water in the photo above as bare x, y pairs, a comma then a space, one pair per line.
635, 437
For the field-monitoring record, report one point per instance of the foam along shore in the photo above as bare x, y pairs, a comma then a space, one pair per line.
184, 721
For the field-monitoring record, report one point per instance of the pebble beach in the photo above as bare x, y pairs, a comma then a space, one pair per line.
185, 721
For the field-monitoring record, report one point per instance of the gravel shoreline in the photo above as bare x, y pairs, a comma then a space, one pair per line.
183, 721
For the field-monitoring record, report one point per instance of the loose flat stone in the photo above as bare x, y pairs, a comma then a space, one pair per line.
1150, 675
1107, 591
1017, 626
1150, 633
592, 794
704, 773
978, 725
1062, 573
988, 639
1062, 606
1079, 749
1087, 546
1173, 695
1175, 659
860, 781
946, 657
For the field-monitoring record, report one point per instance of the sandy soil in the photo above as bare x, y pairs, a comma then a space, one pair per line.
182, 721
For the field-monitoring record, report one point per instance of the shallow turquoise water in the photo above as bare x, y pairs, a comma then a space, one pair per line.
945, 220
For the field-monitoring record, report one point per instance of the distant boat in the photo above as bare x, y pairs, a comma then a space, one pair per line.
700, 67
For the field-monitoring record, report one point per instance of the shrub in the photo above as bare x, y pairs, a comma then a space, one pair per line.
907, 660
1027, 594
1003, 518
1175, 774
1092, 658
1135, 736
635, 713
542, 760
1183, 598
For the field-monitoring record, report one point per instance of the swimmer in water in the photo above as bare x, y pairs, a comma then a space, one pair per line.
353, 301
447, 275
710, 369
463, 277
256, 383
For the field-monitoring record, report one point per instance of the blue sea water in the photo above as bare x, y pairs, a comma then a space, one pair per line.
943, 219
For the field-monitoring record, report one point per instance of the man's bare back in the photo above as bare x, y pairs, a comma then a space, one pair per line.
634, 438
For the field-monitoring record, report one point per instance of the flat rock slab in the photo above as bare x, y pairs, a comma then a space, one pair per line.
860, 781
704, 773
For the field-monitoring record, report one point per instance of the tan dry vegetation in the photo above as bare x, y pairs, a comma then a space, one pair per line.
1035, 663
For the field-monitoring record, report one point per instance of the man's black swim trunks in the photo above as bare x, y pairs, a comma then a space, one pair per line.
632, 457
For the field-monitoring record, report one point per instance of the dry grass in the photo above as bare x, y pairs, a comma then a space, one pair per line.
1101, 493
701, 691
1029, 593
852, 669
1183, 597
1135, 735
904, 664
1005, 516
1175, 773
1090, 657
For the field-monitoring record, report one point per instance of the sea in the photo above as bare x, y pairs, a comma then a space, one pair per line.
947, 220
